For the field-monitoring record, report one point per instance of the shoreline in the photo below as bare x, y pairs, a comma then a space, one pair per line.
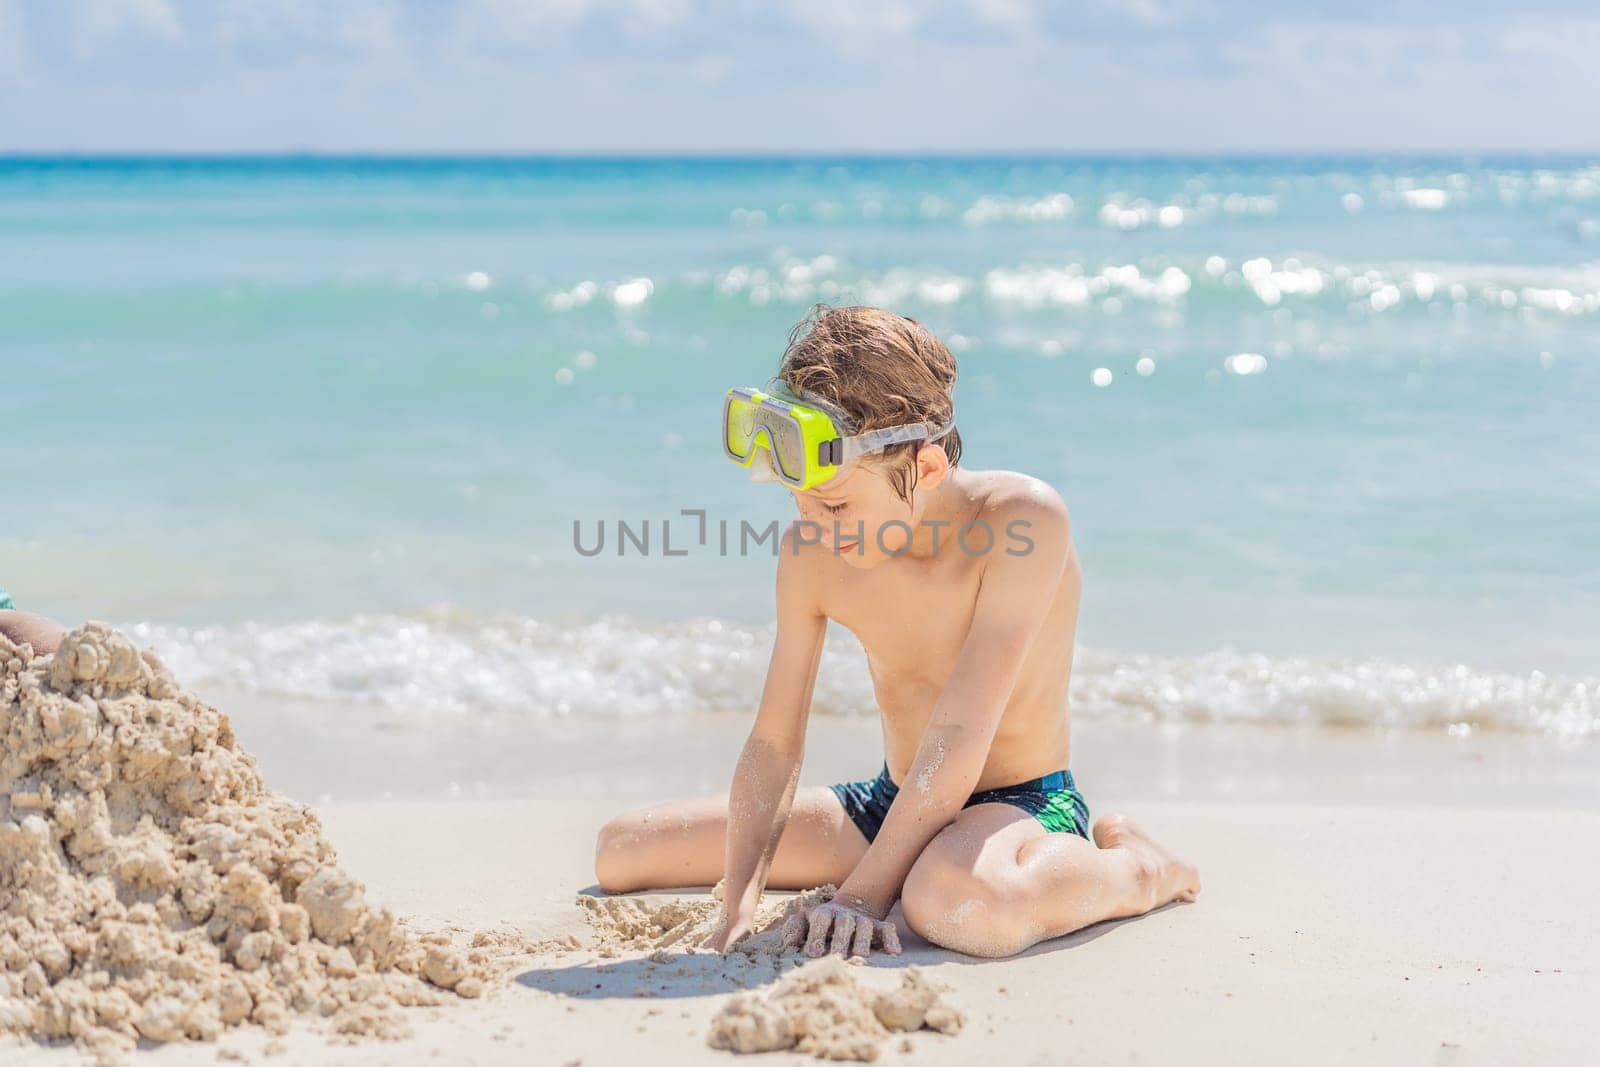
322, 752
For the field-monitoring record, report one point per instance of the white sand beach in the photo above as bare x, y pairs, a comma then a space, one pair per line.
1431, 925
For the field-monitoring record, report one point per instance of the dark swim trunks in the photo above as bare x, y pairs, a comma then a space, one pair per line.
1054, 800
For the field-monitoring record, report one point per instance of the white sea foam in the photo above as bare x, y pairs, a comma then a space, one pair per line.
446, 665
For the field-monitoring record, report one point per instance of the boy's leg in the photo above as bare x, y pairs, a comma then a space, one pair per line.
24, 627
994, 882
683, 843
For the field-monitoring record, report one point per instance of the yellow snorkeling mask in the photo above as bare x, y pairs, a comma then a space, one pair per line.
804, 438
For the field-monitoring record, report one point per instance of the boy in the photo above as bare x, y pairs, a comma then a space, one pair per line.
963, 587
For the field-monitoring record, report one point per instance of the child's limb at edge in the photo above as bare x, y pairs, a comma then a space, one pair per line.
768, 771
758, 810
681, 844
26, 628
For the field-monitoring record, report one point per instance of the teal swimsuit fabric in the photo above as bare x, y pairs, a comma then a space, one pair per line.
5, 601
1054, 800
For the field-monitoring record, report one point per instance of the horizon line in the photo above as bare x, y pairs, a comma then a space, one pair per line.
691, 155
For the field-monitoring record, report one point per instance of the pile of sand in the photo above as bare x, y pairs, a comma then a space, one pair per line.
824, 1010
643, 924
151, 886
820, 1008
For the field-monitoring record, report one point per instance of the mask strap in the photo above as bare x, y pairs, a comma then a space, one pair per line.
877, 440
873, 440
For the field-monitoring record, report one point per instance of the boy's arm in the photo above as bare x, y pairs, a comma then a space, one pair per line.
1014, 596
769, 767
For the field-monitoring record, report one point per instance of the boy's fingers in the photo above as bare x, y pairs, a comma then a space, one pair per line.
891, 937
844, 928
862, 945
817, 943
794, 931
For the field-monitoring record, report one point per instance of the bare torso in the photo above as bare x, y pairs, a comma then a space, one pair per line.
912, 617
941, 627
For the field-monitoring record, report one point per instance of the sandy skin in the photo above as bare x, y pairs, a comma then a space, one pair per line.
970, 653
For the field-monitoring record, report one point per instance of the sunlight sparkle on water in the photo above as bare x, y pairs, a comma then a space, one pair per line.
1426, 199
632, 293
1245, 363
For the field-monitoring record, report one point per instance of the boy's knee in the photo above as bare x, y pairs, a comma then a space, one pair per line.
922, 902
949, 905
614, 849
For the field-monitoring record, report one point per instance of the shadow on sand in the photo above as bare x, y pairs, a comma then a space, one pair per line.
684, 973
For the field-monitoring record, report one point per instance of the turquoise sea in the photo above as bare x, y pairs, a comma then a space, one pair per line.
1329, 427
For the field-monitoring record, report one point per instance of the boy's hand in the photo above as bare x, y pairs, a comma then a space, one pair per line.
733, 930
839, 927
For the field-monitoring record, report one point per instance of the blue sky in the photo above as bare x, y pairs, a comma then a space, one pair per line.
795, 75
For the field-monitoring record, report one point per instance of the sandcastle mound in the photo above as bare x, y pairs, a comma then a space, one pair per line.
151, 886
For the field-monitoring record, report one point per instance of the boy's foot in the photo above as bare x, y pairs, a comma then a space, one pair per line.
1170, 877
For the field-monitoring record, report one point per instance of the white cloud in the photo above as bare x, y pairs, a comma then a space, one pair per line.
750, 75
105, 19
1344, 60
520, 23
354, 25
519, 19
1572, 42
658, 14
1152, 14
13, 48
1007, 14
853, 25
710, 70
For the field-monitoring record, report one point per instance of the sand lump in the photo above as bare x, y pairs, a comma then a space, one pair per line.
151, 886
820, 1008
823, 1009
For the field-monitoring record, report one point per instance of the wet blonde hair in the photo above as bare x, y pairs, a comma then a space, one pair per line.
882, 369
